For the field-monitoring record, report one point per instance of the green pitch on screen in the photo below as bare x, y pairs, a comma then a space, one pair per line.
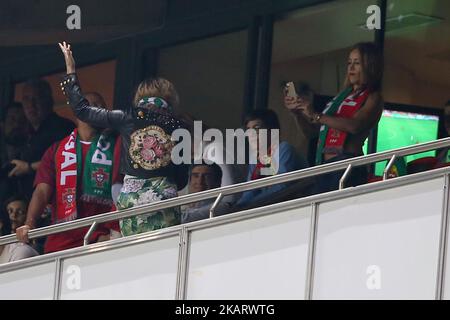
401, 129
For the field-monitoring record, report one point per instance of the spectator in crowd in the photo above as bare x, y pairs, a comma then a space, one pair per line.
5, 224
16, 207
288, 159
13, 251
203, 177
348, 118
14, 135
46, 128
75, 176
442, 155
146, 129
213, 152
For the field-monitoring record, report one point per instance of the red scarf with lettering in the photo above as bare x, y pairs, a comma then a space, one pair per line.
97, 174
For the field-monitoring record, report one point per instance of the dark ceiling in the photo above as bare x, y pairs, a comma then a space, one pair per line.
43, 22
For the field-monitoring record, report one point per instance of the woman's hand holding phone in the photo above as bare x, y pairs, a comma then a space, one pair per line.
297, 104
290, 97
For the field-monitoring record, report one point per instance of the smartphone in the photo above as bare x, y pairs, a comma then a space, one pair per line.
290, 90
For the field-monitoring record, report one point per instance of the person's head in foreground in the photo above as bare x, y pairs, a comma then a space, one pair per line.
158, 92
37, 101
204, 177
257, 120
16, 207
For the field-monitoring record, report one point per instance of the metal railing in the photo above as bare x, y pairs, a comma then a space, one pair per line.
236, 188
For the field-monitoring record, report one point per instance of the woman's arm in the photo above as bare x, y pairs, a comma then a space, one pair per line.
95, 116
41, 197
364, 119
294, 105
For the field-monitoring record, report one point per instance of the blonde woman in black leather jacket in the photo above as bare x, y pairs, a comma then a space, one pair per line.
145, 128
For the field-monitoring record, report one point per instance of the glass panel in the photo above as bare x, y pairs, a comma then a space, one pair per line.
417, 65
401, 129
209, 77
145, 270
98, 77
312, 45
417, 52
261, 258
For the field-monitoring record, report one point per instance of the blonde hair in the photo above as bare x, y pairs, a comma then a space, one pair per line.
157, 87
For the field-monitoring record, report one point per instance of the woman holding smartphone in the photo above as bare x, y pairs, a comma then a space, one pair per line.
348, 118
145, 129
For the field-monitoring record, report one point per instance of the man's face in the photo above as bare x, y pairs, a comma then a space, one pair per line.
17, 211
256, 125
202, 178
33, 105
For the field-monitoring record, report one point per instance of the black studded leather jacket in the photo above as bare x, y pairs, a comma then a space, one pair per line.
145, 131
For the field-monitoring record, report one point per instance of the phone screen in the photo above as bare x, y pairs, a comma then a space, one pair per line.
290, 90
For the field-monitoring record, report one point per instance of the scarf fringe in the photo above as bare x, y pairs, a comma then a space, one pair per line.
97, 200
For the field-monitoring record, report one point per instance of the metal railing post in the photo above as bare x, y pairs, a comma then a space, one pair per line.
442, 260
389, 166
57, 279
89, 233
344, 177
311, 252
184, 264
213, 207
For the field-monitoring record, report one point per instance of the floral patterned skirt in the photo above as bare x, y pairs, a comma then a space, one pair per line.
136, 192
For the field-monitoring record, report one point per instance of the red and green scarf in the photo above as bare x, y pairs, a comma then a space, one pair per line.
97, 174
343, 105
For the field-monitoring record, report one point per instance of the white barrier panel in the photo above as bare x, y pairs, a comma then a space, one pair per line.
259, 258
36, 282
140, 271
380, 245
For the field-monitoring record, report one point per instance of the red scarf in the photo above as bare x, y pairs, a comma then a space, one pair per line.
335, 139
66, 179
256, 174
66, 167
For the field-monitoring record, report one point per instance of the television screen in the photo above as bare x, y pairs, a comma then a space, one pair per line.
400, 129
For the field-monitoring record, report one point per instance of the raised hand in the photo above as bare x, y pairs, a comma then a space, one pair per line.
291, 102
299, 105
70, 62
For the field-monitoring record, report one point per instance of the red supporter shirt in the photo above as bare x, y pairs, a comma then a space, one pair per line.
72, 238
